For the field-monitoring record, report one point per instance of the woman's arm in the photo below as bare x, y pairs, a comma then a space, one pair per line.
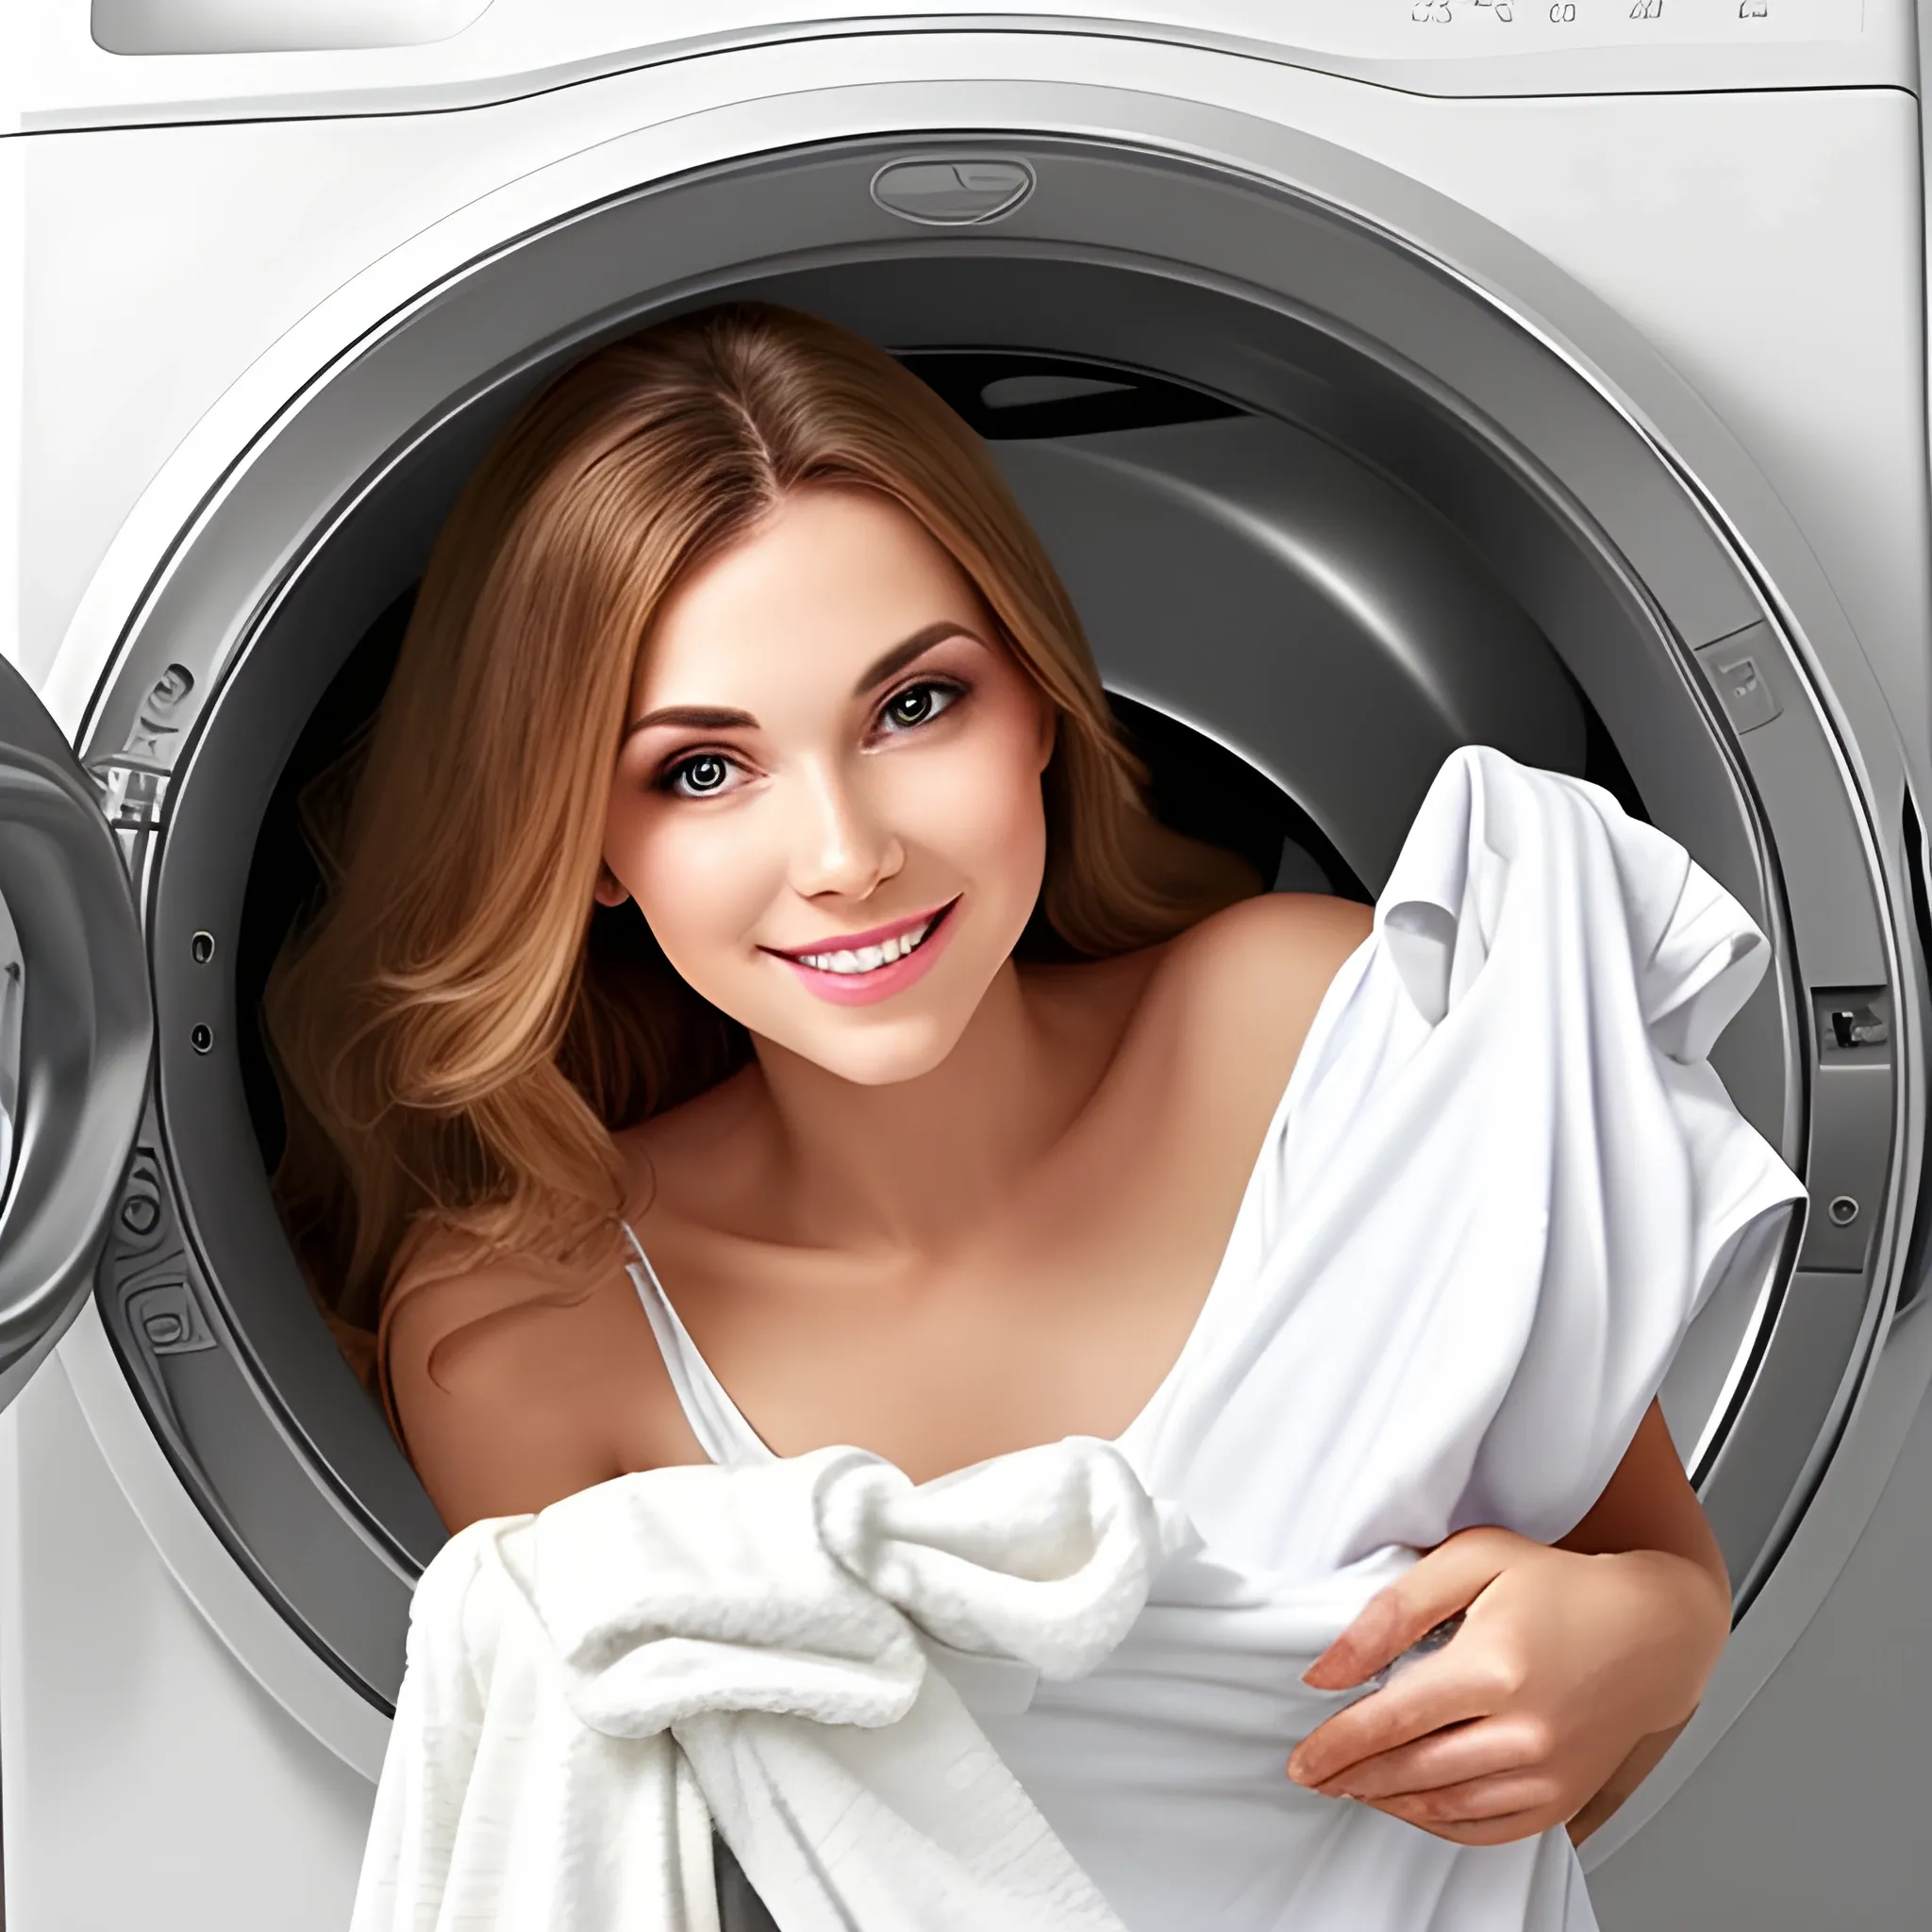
1649, 1505
1574, 1666
496, 1407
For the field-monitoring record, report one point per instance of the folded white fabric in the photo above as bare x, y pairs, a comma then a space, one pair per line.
591, 1688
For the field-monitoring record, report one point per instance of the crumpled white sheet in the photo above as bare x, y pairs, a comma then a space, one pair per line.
1502, 1182
591, 1688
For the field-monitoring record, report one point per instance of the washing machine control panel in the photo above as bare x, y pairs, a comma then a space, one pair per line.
72, 64
1555, 26
1497, 47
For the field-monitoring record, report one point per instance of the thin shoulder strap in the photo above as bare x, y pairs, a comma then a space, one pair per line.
716, 1420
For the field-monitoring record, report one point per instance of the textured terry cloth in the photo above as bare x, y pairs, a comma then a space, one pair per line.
591, 1688
1500, 1182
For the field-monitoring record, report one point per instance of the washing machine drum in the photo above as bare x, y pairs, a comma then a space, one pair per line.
1328, 512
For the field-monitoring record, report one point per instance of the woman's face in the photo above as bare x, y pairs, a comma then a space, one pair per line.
827, 803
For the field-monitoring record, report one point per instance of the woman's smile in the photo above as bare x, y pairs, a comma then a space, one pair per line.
874, 964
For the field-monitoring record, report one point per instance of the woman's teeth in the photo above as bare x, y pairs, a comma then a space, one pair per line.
867, 958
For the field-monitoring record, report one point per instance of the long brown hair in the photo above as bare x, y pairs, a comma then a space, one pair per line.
458, 1033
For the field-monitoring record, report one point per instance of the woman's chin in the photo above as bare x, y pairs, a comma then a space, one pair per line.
875, 1056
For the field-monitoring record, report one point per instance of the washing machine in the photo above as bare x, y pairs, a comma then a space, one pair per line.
1383, 374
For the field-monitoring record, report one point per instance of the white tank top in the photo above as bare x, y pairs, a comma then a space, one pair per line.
715, 1420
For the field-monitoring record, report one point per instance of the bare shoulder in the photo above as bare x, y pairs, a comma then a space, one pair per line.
486, 1361
1213, 1038
1280, 929
1258, 969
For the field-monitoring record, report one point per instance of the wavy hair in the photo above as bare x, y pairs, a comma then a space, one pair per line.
458, 1031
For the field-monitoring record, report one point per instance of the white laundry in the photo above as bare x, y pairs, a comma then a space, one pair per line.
1499, 1185
1502, 1180
591, 1688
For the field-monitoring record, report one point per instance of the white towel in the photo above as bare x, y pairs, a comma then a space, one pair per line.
589, 1689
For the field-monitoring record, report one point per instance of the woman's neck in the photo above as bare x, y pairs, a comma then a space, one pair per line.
918, 1164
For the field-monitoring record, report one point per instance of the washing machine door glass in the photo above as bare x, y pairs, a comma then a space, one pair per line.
75, 1030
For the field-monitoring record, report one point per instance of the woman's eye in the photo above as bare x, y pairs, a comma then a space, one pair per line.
698, 775
916, 705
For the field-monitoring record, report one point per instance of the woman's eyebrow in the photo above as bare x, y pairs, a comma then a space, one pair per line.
691, 718
900, 655
710, 718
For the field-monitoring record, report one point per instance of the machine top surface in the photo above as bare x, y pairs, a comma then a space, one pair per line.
92, 64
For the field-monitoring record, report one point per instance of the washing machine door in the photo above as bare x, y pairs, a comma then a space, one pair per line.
77, 1027
1410, 519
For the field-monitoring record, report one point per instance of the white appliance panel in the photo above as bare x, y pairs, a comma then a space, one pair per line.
113, 61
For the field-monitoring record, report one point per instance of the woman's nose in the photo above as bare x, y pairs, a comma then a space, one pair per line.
840, 846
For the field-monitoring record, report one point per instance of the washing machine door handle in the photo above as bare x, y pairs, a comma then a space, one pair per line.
73, 983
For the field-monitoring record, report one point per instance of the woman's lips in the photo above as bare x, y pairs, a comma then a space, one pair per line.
864, 987
871, 936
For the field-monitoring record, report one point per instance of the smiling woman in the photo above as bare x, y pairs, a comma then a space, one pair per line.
750, 965
455, 1048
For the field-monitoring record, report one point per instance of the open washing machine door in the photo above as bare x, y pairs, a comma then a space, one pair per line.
76, 1031
1340, 478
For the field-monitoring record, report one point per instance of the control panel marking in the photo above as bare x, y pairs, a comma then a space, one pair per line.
1538, 26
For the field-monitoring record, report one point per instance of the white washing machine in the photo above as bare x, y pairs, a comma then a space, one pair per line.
1383, 373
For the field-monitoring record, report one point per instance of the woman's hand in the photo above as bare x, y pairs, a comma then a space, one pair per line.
1563, 1664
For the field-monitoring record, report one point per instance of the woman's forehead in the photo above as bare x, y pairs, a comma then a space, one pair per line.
815, 592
